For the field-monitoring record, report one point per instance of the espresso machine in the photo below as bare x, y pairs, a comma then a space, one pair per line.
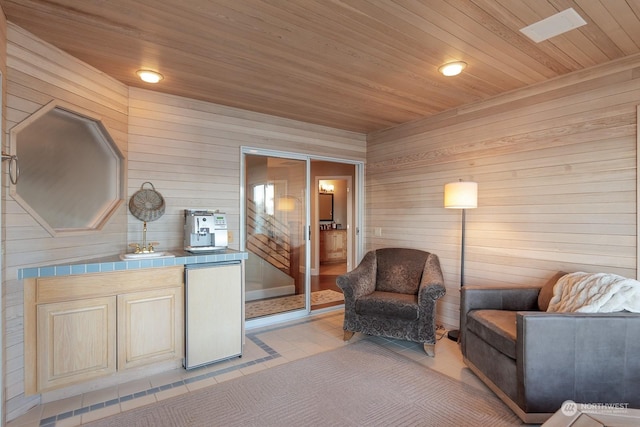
204, 230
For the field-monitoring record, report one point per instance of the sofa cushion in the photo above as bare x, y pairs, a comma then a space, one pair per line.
495, 327
388, 304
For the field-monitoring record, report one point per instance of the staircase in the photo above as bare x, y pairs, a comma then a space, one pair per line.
269, 239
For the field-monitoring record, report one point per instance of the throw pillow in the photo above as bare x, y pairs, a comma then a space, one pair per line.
546, 293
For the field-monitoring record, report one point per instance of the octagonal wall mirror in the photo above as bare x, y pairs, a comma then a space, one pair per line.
71, 171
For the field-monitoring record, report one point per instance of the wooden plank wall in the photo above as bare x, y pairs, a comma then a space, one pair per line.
556, 169
190, 150
36, 74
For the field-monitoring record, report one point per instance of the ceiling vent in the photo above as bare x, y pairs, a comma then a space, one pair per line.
554, 25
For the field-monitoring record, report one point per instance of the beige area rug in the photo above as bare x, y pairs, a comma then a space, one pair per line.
360, 384
293, 302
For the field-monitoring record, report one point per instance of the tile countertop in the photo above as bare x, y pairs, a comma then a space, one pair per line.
114, 263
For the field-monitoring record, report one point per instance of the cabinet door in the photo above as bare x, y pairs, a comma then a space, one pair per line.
342, 244
76, 341
149, 327
323, 246
214, 314
336, 245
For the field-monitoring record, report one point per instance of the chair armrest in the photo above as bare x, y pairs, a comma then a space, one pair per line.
520, 298
432, 282
431, 289
359, 281
585, 357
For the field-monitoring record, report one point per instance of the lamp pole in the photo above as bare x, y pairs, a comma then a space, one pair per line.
460, 195
462, 250
454, 335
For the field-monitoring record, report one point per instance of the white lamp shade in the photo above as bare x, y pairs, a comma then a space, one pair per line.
461, 195
286, 204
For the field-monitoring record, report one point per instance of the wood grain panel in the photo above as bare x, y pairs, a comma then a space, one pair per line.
554, 160
356, 65
36, 74
190, 150
150, 327
66, 288
557, 183
76, 341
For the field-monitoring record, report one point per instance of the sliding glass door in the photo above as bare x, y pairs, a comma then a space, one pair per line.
276, 235
296, 247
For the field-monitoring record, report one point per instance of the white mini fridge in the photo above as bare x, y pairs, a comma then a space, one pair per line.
214, 321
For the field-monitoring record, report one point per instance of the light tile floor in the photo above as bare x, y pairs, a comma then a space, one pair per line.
264, 348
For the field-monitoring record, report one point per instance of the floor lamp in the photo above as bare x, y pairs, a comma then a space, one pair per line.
460, 195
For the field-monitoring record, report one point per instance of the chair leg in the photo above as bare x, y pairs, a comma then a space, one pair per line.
430, 349
347, 335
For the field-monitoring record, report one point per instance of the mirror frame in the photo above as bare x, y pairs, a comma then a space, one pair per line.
102, 214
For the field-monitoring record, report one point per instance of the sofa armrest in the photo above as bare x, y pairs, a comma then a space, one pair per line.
520, 298
523, 298
584, 357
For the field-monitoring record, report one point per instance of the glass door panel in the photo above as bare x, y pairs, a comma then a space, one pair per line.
275, 205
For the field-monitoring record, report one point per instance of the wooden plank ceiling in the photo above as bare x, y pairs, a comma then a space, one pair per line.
349, 64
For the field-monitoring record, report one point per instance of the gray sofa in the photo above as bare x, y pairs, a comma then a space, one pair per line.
393, 293
534, 360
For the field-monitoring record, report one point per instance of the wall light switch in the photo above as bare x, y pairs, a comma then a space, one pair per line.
377, 231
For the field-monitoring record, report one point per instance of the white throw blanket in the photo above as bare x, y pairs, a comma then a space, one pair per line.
595, 293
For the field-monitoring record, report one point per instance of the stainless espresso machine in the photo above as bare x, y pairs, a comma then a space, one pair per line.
204, 230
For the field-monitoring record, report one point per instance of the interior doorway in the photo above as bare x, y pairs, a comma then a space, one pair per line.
333, 220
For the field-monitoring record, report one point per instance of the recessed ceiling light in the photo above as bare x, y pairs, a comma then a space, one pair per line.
149, 76
452, 68
554, 25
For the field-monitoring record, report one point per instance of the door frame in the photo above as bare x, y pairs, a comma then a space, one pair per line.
358, 187
349, 225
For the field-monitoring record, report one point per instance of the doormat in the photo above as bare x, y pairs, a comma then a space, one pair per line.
266, 307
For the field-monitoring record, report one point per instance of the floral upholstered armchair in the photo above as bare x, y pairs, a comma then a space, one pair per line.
393, 293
